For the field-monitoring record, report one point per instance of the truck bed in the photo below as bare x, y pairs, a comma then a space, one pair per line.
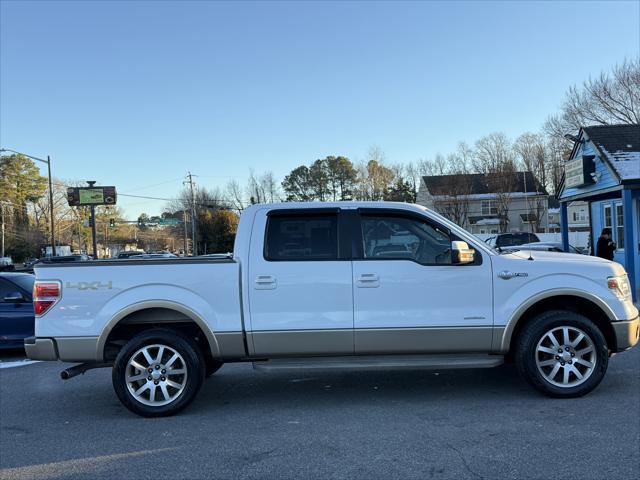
93, 296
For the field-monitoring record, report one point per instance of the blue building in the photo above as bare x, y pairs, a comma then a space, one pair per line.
604, 170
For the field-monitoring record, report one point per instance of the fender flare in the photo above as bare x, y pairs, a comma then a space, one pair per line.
136, 307
504, 342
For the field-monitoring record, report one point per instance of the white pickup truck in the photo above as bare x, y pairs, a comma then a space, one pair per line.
334, 285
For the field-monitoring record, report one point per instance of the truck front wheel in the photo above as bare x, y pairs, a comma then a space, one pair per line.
562, 353
158, 373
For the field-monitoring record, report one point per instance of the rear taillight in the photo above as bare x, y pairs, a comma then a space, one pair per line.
45, 295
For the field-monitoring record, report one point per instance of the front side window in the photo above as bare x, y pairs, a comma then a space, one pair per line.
302, 237
404, 238
619, 225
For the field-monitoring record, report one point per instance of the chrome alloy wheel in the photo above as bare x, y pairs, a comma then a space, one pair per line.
156, 375
566, 356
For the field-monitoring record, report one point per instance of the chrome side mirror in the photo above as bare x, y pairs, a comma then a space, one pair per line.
461, 253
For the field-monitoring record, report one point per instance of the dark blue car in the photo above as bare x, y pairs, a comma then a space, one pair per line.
16, 309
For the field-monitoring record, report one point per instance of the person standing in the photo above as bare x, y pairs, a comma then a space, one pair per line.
606, 246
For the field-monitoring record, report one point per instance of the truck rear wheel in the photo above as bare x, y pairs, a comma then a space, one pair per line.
158, 373
562, 353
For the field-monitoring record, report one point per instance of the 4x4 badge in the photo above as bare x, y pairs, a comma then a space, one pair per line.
90, 285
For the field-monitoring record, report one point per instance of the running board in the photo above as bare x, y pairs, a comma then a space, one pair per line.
383, 362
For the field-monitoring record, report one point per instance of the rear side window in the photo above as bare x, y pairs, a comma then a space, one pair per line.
25, 282
302, 237
6, 288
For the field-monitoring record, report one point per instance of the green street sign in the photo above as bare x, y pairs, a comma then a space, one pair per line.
169, 221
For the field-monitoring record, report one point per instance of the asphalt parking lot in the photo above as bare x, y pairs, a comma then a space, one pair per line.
478, 424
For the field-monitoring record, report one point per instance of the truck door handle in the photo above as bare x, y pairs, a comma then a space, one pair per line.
265, 282
368, 280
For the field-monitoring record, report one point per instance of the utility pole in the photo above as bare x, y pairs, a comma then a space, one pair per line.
184, 222
105, 239
79, 229
93, 224
2, 207
53, 237
194, 247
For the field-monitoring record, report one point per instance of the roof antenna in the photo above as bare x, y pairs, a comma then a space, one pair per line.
527, 206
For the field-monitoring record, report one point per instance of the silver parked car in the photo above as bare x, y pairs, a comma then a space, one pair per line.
545, 247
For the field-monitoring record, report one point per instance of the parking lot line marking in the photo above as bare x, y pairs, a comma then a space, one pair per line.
77, 466
19, 363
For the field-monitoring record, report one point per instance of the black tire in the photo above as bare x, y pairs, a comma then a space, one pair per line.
190, 360
526, 355
211, 366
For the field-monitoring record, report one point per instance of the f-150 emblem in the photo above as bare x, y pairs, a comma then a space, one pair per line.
506, 275
89, 285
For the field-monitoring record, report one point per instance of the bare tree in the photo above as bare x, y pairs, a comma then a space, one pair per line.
492, 152
533, 155
436, 166
235, 196
464, 157
412, 175
262, 188
452, 200
557, 153
610, 98
503, 182
494, 156
376, 153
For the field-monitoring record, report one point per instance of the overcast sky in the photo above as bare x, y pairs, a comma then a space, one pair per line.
135, 94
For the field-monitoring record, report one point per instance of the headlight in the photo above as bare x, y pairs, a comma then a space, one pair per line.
620, 286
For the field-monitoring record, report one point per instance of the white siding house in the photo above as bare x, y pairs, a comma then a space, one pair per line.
485, 204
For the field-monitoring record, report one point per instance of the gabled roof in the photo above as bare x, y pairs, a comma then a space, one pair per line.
619, 145
479, 183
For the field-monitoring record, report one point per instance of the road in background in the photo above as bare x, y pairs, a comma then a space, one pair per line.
478, 424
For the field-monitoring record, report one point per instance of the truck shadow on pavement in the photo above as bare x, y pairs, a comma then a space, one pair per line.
237, 387
352, 387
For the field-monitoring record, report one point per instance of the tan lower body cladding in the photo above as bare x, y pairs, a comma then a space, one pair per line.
371, 341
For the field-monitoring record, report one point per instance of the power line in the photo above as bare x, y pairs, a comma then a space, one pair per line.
154, 185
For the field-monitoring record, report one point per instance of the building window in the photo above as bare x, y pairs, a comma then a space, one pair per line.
580, 216
619, 225
608, 223
489, 207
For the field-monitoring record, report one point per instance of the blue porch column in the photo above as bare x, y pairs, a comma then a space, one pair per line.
630, 244
564, 226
